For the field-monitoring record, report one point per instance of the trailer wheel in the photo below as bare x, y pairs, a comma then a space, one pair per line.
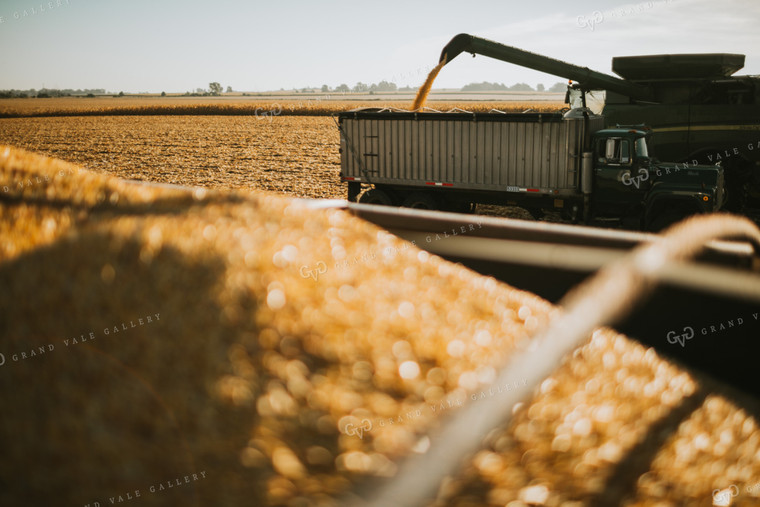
376, 196
420, 200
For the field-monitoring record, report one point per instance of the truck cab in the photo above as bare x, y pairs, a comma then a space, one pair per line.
621, 167
628, 183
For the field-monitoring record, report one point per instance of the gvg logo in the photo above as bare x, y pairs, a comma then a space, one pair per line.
358, 430
722, 497
674, 337
636, 181
319, 269
591, 21
598, 17
260, 114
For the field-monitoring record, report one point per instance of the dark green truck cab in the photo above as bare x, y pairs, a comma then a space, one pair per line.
628, 183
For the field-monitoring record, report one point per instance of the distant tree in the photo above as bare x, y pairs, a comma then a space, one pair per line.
558, 87
163, 94
229, 89
384, 86
121, 94
360, 87
325, 88
215, 88
343, 88
484, 87
521, 87
539, 87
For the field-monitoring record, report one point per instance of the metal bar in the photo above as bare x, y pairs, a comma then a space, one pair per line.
601, 301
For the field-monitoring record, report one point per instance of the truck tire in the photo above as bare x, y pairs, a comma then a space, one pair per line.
459, 207
420, 200
536, 213
376, 196
665, 219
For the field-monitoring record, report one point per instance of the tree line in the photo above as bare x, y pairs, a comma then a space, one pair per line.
50, 92
215, 89
485, 86
385, 86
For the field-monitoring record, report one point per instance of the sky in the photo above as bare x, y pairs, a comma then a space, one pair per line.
180, 45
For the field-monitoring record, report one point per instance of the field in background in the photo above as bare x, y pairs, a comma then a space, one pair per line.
292, 155
171, 106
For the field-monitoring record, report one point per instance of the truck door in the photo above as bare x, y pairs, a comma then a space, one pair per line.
620, 182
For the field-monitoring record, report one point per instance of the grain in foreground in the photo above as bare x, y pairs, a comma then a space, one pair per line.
259, 376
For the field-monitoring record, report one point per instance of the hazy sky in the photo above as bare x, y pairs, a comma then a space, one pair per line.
180, 45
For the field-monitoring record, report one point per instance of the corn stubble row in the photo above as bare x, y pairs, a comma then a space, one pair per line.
254, 371
315, 106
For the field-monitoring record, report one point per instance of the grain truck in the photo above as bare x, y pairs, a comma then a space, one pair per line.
567, 162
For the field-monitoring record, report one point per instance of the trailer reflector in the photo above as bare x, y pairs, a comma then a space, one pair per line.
521, 189
436, 184
349, 178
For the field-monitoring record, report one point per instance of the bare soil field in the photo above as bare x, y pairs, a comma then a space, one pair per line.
297, 156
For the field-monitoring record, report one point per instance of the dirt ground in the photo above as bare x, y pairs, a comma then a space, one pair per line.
293, 155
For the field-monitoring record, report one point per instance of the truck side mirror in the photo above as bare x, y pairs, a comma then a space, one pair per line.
617, 151
609, 151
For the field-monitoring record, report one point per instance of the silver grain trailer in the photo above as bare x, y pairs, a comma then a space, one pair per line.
537, 161
444, 160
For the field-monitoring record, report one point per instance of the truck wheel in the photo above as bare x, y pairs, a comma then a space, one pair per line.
420, 200
376, 196
665, 219
536, 213
570, 213
459, 207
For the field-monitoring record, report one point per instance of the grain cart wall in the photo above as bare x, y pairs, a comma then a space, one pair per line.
449, 160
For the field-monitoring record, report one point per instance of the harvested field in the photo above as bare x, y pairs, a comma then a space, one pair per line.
256, 378
297, 156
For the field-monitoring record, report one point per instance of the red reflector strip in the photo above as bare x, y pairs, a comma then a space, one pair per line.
347, 178
531, 190
436, 184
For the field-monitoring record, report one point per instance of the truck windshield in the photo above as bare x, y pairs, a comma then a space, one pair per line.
641, 148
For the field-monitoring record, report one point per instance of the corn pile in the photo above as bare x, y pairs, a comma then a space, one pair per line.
164, 346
